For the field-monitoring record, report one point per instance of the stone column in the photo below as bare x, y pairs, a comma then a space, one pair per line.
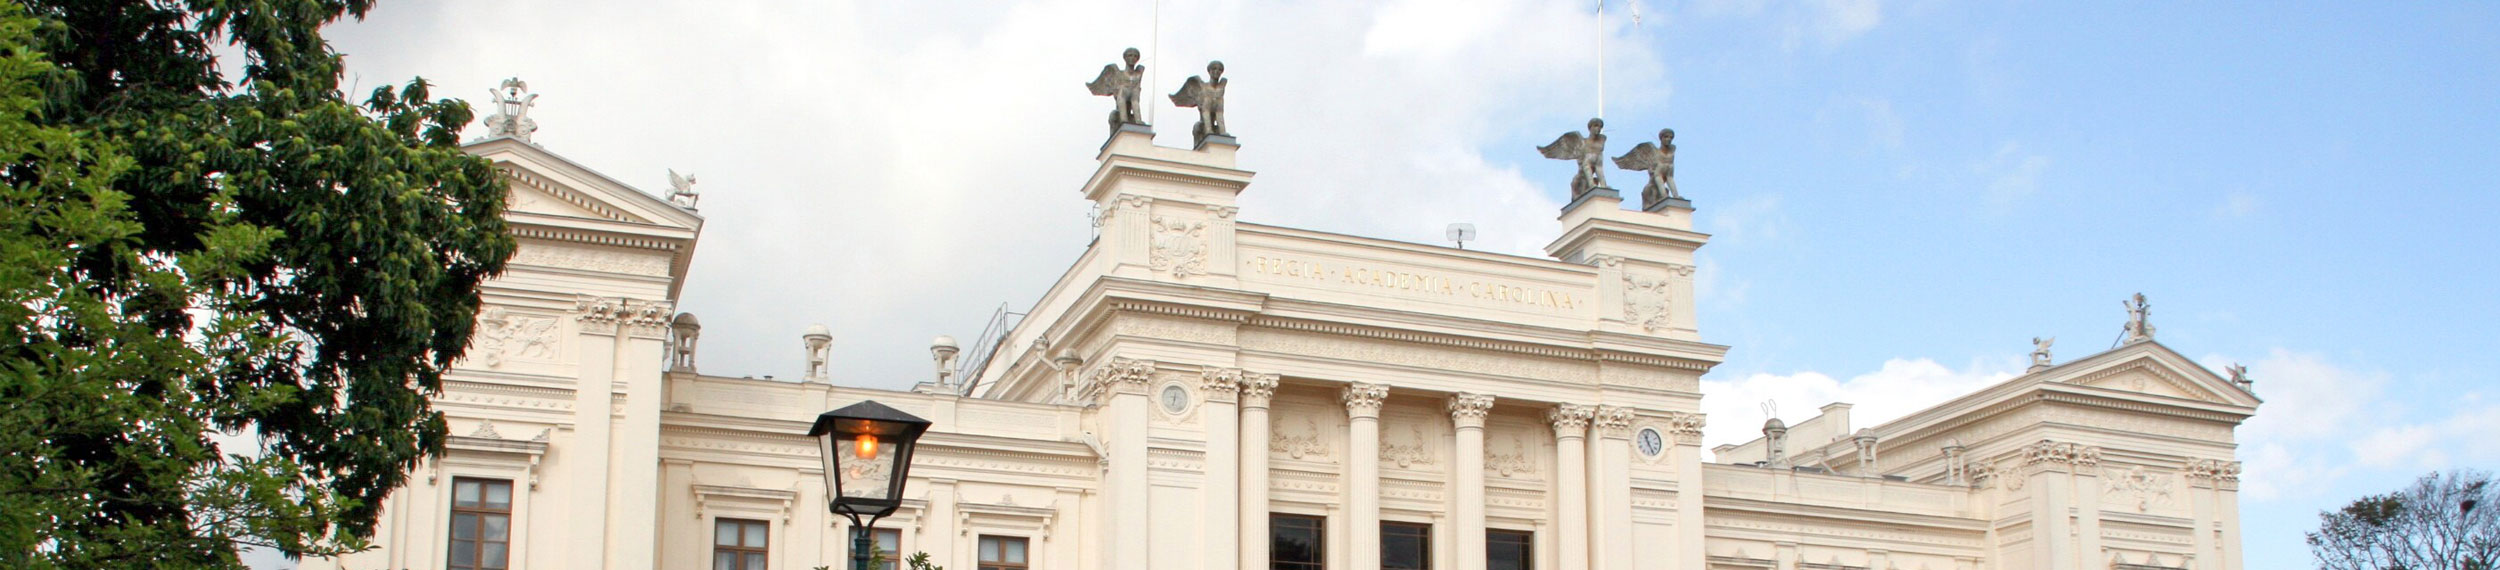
1362, 468
1256, 389
1467, 413
1610, 488
1253, 448
1223, 516
634, 488
1571, 499
1689, 548
1123, 384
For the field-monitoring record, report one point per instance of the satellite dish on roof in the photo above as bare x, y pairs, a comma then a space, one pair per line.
1461, 232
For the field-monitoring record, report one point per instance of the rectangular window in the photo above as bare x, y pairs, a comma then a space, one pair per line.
1509, 550
481, 523
1002, 553
1405, 546
1297, 542
739, 544
889, 548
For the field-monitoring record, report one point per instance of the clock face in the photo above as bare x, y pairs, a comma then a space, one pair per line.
1175, 398
1651, 443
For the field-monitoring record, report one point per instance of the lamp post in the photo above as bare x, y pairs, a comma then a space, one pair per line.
867, 451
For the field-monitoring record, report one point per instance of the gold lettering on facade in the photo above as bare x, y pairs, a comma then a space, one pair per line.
1423, 284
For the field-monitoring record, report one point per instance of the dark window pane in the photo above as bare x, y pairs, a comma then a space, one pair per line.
724, 561
755, 561
1297, 542
1405, 546
463, 553
498, 495
1509, 550
463, 526
491, 555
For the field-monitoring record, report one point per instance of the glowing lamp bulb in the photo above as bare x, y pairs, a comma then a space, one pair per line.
865, 447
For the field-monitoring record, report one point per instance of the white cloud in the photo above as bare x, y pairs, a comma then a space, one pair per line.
2012, 174
1839, 21
896, 171
1901, 386
2239, 204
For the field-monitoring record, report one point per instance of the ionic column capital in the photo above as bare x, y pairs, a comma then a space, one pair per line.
1467, 411
1362, 400
1571, 421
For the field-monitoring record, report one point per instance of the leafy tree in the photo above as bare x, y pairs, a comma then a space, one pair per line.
181, 254
2444, 521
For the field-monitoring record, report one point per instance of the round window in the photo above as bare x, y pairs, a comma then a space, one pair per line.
1651, 443
1175, 398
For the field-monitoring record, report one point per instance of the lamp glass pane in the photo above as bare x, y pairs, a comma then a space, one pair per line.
866, 476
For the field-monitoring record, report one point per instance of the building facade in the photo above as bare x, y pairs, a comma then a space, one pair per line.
1198, 392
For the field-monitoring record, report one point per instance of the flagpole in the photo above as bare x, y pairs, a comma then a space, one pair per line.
1601, 59
1154, 53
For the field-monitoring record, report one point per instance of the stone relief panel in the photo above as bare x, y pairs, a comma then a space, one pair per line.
1645, 300
1408, 446
589, 258
1297, 433
1515, 449
2137, 488
503, 336
1180, 247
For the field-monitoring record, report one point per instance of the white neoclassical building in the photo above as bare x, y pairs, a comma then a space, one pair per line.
1199, 392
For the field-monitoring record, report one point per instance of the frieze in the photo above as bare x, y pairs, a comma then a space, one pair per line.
503, 335
2136, 486
1408, 452
1370, 277
1517, 460
1399, 353
1306, 443
1176, 329
645, 263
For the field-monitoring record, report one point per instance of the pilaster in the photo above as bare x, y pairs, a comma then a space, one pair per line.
1467, 413
1362, 407
1256, 390
1222, 387
597, 319
1690, 550
1122, 386
1610, 487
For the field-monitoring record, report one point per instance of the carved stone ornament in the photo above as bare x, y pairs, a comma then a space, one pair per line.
1517, 460
502, 335
1121, 82
1122, 374
1407, 452
512, 103
681, 190
485, 430
1659, 161
2144, 488
1257, 389
1570, 420
1612, 421
2053, 452
1645, 301
1180, 248
1306, 444
1686, 427
2040, 352
2214, 470
1207, 95
2139, 319
1362, 400
1469, 410
1220, 384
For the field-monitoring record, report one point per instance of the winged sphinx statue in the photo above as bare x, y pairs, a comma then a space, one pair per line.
1659, 161
1121, 82
1589, 151
681, 190
1208, 96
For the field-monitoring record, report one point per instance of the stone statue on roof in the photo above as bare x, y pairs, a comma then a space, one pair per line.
512, 109
1659, 161
1122, 82
1589, 151
2139, 324
2040, 352
1208, 96
681, 190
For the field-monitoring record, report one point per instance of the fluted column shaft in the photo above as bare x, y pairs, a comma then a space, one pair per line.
1571, 499
1362, 406
1256, 390
1467, 412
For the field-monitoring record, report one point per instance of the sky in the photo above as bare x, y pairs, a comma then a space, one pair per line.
1901, 194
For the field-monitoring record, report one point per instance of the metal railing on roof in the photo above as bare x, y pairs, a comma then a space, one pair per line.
984, 347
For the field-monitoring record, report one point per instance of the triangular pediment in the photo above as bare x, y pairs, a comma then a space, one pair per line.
2152, 369
547, 184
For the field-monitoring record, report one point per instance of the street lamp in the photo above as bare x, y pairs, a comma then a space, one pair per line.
867, 452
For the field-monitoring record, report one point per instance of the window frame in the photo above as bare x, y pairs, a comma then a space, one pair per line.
893, 558
1420, 531
1526, 541
979, 564
741, 550
1319, 542
477, 546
